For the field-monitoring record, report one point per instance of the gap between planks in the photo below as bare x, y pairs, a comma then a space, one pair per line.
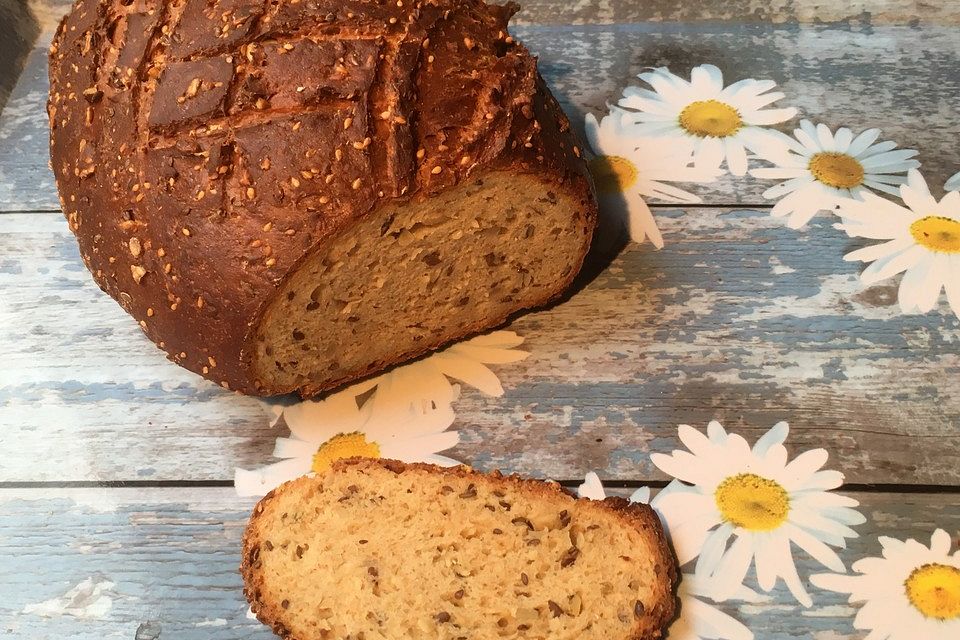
859, 487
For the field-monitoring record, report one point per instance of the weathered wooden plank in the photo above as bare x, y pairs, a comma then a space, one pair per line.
166, 561
737, 318
867, 12
897, 78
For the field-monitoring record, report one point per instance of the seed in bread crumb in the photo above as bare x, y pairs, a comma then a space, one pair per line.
251, 193
150, 312
436, 170
356, 184
347, 122
555, 609
135, 247
185, 232
267, 226
295, 182
270, 262
569, 557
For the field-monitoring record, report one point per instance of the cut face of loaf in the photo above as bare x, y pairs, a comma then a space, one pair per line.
417, 275
380, 549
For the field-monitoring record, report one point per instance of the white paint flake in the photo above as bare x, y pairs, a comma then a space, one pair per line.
88, 600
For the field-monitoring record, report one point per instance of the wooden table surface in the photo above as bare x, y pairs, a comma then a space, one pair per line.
116, 471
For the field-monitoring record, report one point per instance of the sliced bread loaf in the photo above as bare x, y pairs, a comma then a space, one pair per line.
382, 550
288, 195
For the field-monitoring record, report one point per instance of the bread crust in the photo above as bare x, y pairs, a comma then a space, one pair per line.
202, 153
633, 515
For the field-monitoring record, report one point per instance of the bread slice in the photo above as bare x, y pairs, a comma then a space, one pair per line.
382, 550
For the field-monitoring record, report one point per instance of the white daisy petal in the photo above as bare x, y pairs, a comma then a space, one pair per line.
707, 79
259, 481
490, 355
766, 562
709, 153
470, 372
687, 540
641, 223
293, 448
719, 623
771, 116
641, 495
888, 158
407, 449
953, 183
591, 487
817, 549
921, 285
825, 138
732, 570
842, 140
775, 436
714, 548
736, 156
880, 147
862, 142
788, 571
952, 286
877, 251
892, 265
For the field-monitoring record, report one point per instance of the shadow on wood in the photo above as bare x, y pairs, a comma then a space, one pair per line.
18, 33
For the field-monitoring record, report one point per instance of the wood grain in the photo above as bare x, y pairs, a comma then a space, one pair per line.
172, 556
893, 77
865, 12
737, 318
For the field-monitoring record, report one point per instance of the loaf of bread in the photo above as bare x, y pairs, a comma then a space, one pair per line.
393, 551
291, 194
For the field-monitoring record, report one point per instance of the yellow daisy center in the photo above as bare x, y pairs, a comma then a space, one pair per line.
934, 589
343, 445
710, 119
752, 502
937, 234
837, 170
613, 174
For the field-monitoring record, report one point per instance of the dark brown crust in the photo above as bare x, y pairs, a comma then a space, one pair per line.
633, 515
187, 156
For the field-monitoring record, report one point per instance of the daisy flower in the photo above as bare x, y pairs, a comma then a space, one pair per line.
721, 123
403, 414
911, 593
757, 498
626, 167
922, 240
823, 169
699, 620
952, 183
324, 431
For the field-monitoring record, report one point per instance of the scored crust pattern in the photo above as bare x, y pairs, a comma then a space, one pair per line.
202, 148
